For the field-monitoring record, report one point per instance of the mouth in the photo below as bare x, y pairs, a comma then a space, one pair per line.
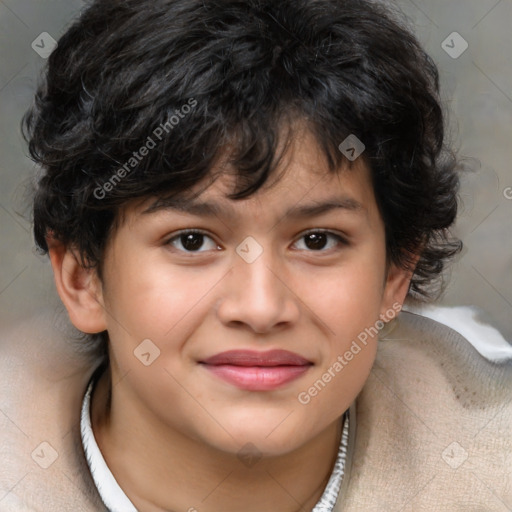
257, 371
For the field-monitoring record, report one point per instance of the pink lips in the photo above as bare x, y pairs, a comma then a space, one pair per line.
257, 371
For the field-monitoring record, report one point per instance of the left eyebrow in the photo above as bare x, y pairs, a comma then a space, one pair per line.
208, 208
318, 208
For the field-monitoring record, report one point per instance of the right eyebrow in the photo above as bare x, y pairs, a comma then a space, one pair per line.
199, 208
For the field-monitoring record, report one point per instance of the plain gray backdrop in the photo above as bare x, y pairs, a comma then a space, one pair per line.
476, 90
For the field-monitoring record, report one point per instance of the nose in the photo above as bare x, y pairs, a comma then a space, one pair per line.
258, 297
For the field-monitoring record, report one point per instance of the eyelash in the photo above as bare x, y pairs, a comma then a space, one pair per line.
340, 239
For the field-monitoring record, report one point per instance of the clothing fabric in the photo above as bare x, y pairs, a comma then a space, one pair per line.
109, 490
473, 324
431, 430
116, 500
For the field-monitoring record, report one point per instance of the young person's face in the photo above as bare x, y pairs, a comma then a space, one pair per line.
201, 298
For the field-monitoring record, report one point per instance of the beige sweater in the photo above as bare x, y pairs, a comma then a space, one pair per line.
433, 429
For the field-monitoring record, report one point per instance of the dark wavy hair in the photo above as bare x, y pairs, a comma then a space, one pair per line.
125, 68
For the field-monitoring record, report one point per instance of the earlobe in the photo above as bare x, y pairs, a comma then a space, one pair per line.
397, 286
79, 289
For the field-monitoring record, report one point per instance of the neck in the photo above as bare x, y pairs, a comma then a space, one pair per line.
169, 471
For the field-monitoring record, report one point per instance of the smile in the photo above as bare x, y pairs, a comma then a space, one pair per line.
257, 371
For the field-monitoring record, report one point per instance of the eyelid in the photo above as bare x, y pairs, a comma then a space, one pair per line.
326, 231
343, 239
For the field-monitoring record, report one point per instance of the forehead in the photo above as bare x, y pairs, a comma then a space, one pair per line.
301, 176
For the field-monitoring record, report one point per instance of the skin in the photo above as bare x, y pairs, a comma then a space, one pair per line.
172, 430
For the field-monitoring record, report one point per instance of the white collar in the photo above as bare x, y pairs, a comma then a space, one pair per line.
116, 500
109, 490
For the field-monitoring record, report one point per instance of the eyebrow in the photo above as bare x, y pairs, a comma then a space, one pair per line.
208, 208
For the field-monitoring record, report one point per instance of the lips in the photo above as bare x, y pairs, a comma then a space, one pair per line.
257, 371
253, 358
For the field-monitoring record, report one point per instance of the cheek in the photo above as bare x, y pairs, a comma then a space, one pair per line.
349, 300
151, 298
159, 303
349, 354
337, 384
349, 305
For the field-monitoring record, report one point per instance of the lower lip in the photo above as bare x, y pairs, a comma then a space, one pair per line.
257, 378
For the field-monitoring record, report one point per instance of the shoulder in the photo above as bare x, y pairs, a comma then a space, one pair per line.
42, 380
434, 424
421, 350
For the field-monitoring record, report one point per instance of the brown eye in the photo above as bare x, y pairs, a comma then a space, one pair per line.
320, 241
315, 241
192, 241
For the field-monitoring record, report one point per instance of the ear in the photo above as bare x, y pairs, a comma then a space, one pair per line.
79, 289
397, 284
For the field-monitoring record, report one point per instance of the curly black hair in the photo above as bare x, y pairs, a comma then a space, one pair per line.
188, 79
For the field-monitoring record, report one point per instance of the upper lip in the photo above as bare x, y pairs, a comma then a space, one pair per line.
255, 358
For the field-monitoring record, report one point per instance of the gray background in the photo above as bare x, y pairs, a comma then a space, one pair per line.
476, 89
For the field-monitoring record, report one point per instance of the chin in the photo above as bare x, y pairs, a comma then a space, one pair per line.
266, 435
255, 447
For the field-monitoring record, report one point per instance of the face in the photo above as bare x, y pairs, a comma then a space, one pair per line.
261, 318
